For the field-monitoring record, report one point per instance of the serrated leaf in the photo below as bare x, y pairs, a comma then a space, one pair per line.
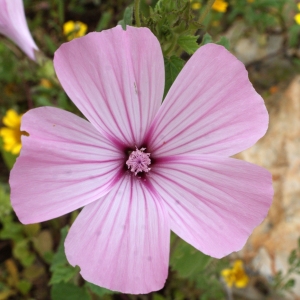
188, 43
188, 261
69, 291
98, 290
63, 274
173, 66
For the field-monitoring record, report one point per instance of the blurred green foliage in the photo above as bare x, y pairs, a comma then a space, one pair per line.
32, 256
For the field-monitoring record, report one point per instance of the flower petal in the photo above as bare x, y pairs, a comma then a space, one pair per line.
64, 164
121, 242
116, 79
211, 108
13, 25
214, 203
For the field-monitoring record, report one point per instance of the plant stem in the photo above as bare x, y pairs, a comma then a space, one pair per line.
171, 47
206, 11
137, 13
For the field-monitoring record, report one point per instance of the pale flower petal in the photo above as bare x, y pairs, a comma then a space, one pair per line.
64, 164
116, 79
212, 108
121, 242
13, 25
214, 203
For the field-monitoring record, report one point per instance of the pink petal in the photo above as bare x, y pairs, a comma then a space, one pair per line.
13, 25
121, 242
116, 79
214, 203
64, 164
211, 108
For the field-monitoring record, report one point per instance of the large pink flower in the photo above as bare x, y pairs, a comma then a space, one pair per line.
120, 240
13, 25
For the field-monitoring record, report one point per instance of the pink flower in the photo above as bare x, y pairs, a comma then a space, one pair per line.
13, 25
186, 181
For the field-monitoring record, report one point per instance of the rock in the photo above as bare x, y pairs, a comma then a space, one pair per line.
271, 243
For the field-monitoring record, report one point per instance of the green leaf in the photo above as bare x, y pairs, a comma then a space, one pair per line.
24, 286
98, 290
12, 230
5, 206
60, 257
188, 43
104, 21
8, 157
69, 291
158, 297
63, 274
224, 42
61, 270
292, 257
188, 261
206, 39
173, 66
289, 284
22, 252
127, 17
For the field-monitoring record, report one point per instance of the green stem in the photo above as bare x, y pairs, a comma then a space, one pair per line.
206, 11
171, 47
137, 13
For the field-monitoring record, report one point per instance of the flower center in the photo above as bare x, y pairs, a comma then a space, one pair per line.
139, 161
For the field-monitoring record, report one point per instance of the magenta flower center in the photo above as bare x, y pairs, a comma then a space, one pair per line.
139, 161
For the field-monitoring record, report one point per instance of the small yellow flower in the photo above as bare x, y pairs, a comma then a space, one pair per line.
46, 83
74, 30
250, 1
297, 18
236, 276
196, 6
220, 6
11, 134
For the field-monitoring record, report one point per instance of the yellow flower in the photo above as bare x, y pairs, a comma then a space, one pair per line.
220, 6
74, 30
11, 134
250, 1
196, 6
297, 18
45, 83
236, 276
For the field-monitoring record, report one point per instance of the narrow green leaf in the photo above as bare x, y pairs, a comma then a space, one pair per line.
127, 17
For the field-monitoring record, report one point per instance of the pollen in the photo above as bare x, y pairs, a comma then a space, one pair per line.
138, 161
